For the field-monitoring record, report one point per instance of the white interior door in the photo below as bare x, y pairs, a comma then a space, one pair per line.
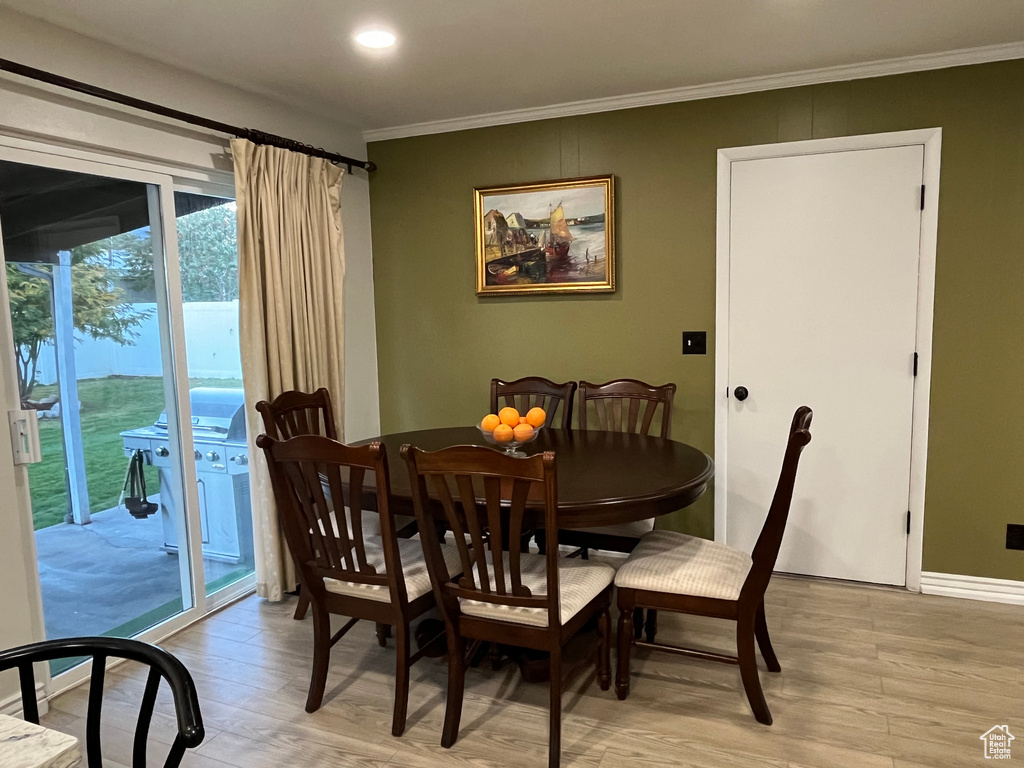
824, 254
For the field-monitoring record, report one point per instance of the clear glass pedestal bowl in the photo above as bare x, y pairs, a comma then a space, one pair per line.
510, 446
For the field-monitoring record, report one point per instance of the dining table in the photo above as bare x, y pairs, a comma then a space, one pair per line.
604, 478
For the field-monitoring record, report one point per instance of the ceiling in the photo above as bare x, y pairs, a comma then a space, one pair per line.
458, 58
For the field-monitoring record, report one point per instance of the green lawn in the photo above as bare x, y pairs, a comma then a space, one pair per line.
109, 406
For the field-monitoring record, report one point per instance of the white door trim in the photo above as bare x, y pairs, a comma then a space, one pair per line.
931, 140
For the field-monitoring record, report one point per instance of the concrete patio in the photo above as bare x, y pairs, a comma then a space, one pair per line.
112, 576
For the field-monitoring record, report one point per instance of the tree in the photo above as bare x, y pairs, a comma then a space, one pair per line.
98, 308
207, 250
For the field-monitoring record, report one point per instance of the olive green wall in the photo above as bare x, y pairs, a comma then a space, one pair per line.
439, 344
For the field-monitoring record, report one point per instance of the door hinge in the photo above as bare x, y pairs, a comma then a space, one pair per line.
915, 363
908, 522
922, 197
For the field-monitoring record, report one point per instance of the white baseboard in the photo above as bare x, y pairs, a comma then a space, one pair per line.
12, 704
973, 588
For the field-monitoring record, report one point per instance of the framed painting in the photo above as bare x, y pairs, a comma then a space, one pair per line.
546, 237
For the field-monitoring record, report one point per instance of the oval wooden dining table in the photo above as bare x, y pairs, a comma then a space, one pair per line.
604, 478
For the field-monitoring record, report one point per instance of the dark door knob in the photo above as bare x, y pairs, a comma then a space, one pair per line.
741, 393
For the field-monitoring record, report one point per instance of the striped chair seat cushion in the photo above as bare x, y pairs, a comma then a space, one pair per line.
579, 582
666, 561
417, 579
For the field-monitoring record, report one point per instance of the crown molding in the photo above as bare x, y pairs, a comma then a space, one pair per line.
839, 73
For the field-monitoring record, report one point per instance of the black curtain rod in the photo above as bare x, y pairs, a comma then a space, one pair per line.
257, 137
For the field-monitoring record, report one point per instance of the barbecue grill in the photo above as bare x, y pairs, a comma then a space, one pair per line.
222, 469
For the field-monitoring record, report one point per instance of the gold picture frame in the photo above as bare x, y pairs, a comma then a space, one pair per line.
546, 237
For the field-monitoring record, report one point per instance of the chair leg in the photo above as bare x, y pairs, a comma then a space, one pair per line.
764, 642
456, 685
383, 633
604, 651
321, 657
638, 623
302, 606
401, 678
748, 668
625, 640
585, 553
555, 714
651, 626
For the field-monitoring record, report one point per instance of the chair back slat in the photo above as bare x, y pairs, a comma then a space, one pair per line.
766, 550
460, 528
467, 498
634, 413
326, 523
295, 413
498, 501
93, 717
29, 705
517, 513
601, 406
145, 718
492, 496
355, 513
315, 517
650, 407
313, 477
534, 391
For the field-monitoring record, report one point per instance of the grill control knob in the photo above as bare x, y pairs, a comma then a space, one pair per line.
213, 456
162, 451
198, 455
240, 459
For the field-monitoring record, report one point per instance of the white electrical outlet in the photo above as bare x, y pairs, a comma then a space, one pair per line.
25, 436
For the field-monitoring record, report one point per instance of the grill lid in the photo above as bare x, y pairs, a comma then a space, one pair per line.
216, 411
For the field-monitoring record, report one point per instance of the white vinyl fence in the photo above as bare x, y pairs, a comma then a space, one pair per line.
211, 342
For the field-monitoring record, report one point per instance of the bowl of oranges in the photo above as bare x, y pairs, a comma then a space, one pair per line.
508, 430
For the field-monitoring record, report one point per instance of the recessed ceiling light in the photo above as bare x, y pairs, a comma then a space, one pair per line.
375, 38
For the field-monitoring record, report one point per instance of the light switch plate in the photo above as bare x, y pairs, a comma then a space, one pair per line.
695, 342
25, 436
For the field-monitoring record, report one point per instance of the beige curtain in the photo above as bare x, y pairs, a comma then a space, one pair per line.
291, 270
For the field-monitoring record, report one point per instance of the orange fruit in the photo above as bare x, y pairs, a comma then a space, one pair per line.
502, 433
489, 422
536, 417
523, 432
522, 419
509, 416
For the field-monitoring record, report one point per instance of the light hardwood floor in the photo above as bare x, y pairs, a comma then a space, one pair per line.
870, 677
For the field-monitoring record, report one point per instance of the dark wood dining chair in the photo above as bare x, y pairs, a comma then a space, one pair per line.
163, 667
671, 571
295, 413
616, 406
346, 571
535, 391
506, 594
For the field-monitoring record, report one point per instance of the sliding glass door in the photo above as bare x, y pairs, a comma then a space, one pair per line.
128, 357
208, 255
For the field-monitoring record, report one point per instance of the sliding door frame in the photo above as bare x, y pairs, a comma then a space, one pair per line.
166, 179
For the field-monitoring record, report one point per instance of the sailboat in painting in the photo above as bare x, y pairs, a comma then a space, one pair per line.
558, 238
